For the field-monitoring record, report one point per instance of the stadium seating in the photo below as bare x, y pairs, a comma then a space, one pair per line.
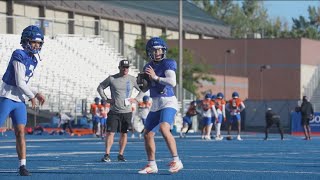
70, 69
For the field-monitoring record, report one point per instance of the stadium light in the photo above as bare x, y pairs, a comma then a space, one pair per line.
228, 51
262, 68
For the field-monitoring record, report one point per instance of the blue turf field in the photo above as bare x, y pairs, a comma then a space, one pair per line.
65, 157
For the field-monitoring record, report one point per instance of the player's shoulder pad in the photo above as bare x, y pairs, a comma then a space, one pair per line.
19, 55
170, 64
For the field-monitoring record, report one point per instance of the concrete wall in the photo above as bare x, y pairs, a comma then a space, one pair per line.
281, 82
239, 84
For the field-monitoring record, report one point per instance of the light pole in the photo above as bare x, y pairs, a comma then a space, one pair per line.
181, 96
228, 51
262, 68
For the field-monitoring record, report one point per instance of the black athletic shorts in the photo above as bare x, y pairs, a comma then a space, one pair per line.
272, 121
119, 122
305, 121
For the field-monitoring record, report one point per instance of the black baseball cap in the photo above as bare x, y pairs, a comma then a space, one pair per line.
124, 63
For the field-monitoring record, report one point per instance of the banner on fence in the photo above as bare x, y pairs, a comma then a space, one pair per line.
297, 128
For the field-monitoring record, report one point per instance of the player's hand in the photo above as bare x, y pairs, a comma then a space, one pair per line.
150, 72
33, 103
40, 98
225, 119
133, 100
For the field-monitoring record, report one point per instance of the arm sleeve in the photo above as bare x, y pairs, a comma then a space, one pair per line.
103, 85
214, 111
224, 111
242, 106
170, 78
20, 70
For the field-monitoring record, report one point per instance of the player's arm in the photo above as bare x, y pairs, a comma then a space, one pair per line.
228, 107
242, 106
169, 80
60, 120
91, 110
102, 86
20, 70
224, 111
214, 112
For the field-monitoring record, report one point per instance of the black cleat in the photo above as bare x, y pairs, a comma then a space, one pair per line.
121, 158
106, 158
23, 171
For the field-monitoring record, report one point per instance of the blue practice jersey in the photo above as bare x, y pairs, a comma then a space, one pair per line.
157, 89
23, 57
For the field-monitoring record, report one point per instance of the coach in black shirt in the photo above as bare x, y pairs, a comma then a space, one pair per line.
272, 118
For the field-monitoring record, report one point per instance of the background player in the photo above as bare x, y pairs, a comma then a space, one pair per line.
143, 111
187, 119
220, 105
208, 113
235, 106
104, 110
94, 110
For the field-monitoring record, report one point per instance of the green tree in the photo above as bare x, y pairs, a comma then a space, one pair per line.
307, 27
256, 16
249, 18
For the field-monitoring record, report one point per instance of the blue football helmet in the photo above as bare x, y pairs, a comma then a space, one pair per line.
96, 100
220, 95
235, 95
103, 102
153, 44
145, 98
193, 103
31, 33
207, 96
213, 96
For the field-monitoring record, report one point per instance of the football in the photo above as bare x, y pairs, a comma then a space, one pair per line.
142, 81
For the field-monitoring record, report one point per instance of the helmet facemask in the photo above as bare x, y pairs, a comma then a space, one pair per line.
32, 34
28, 47
153, 53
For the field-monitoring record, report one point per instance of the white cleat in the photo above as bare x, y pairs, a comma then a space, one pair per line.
239, 138
218, 138
149, 170
175, 166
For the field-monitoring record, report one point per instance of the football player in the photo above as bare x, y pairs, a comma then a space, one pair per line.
15, 91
